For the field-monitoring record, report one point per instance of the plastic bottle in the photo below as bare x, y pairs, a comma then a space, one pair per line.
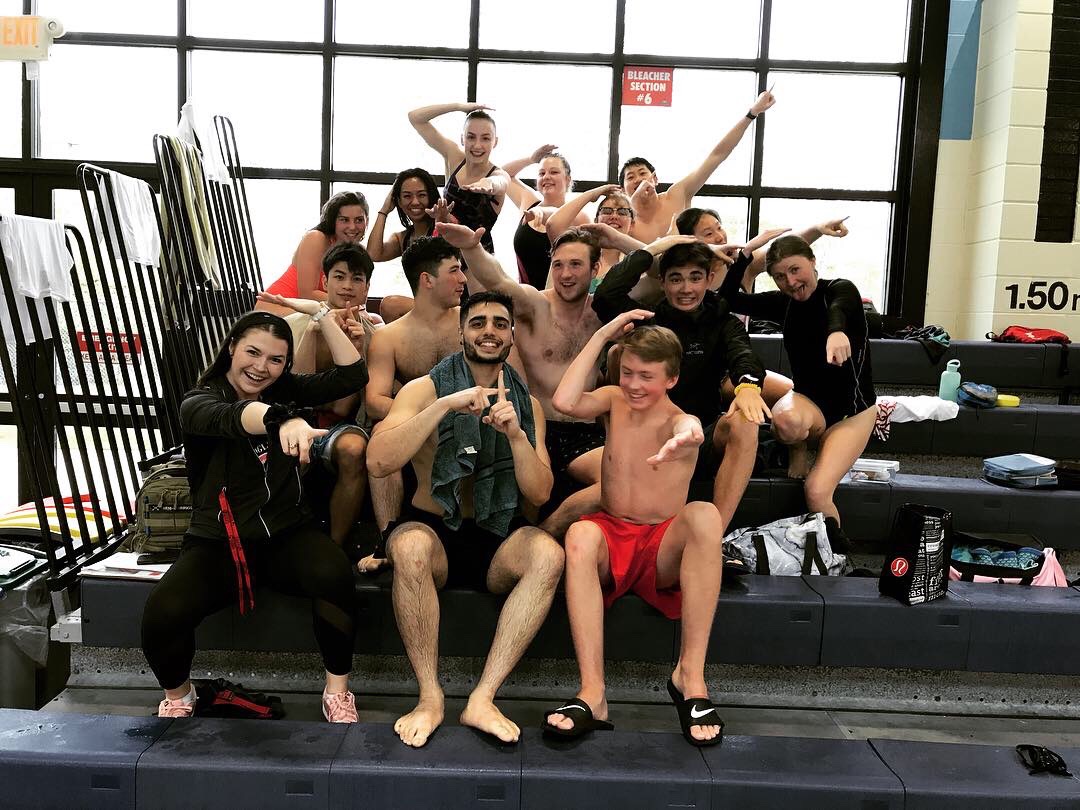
950, 381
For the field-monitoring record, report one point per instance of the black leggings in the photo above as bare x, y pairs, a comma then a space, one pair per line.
299, 562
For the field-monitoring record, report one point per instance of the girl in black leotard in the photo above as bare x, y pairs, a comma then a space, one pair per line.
475, 186
834, 402
531, 243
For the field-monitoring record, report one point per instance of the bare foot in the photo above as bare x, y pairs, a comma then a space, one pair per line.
694, 688
483, 715
416, 727
798, 461
370, 564
599, 710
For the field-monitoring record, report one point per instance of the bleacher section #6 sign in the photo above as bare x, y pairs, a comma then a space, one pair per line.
647, 86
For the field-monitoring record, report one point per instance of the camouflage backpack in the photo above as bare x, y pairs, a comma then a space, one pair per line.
162, 509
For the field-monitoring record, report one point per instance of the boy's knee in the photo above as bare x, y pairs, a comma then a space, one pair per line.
350, 451
789, 426
743, 433
704, 519
582, 543
412, 547
546, 556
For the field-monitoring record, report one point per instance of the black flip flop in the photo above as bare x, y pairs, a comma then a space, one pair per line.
695, 712
586, 724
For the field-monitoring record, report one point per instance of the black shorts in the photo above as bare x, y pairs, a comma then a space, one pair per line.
567, 441
469, 549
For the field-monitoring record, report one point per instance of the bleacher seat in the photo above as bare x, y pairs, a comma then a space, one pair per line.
974, 777
64, 760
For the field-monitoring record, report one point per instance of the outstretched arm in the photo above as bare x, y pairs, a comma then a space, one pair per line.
572, 397
684, 190
832, 227
564, 218
686, 437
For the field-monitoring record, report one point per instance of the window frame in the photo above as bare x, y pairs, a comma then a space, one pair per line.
921, 73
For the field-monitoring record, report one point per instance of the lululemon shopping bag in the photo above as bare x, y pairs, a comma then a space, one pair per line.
916, 566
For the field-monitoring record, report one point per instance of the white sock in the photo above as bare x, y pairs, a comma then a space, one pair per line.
190, 697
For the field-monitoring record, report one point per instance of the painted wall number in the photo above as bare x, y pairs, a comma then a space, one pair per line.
1042, 294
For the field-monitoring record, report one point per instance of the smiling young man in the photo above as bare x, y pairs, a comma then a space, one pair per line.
476, 468
654, 208
715, 346
347, 268
552, 327
646, 538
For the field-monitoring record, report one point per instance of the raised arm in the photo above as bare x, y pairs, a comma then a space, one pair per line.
378, 248
571, 397
564, 218
684, 190
486, 270
421, 118
532, 467
686, 438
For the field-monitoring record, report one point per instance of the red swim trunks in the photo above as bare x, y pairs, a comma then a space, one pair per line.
632, 549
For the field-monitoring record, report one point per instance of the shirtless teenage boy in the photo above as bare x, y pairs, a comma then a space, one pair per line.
654, 209
552, 327
647, 538
408, 348
475, 469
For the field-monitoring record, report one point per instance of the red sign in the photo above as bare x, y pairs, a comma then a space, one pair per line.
647, 86
899, 567
110, 345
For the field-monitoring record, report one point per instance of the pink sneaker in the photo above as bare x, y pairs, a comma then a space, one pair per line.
340, 708
175, 708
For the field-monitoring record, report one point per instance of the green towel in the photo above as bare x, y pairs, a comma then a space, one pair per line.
469, 447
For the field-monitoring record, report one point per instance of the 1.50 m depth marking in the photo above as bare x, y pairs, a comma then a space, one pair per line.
1042, 294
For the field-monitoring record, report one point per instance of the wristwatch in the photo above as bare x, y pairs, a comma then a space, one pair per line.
323, 311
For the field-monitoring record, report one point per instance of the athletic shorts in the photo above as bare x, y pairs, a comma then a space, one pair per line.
469, 549
708, 457
632, 550
323, 447
567, 441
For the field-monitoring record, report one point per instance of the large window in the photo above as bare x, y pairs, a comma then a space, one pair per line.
319, 103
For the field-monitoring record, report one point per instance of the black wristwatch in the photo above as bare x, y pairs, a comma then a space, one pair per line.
750, 115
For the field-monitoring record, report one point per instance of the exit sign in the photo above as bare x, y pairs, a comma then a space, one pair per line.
27, 38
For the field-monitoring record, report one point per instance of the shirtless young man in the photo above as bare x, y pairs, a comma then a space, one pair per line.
552, 327
408, 348
654, 209
448, 533
647, 538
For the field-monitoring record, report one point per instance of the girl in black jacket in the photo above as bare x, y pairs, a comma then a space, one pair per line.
834, 404
245, 436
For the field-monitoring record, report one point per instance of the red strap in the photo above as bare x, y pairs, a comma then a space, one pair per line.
243, 576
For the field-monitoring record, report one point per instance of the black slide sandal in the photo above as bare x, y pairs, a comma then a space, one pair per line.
695, 712
586, 724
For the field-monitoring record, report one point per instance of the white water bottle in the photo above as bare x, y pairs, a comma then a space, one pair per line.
950, 381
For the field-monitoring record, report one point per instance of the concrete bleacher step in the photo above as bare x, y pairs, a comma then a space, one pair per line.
64, 760
760, 620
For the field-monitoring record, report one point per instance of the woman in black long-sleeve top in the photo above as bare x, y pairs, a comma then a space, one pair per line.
833, 403
244, 438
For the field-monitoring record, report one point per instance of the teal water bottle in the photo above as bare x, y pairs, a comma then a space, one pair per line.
950, 381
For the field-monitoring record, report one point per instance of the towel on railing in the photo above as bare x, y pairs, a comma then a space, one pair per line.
466, 446
135, 213
39, 266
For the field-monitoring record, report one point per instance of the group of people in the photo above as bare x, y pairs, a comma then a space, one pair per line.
610, 367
